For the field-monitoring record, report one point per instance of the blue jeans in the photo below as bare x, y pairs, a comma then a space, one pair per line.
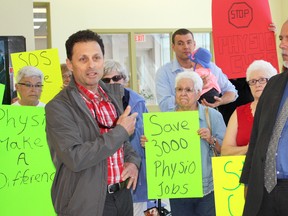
193, 206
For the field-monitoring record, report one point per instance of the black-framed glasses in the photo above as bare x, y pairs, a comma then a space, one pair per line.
186, 90
29, 85
254, 81
115, 78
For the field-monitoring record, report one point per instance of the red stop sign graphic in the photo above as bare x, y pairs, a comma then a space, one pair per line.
240, 15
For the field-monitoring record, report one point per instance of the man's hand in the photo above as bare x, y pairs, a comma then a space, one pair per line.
128, 122
130, 171
226, 98
143, 140
218, 102
272, 27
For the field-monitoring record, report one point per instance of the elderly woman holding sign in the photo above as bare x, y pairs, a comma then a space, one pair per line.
188, 88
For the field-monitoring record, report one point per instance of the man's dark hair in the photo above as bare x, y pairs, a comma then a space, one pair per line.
181, 32
82, 36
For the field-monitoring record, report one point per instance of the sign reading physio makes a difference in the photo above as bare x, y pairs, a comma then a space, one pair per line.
228, 192
26, 171
48, 62
173, 155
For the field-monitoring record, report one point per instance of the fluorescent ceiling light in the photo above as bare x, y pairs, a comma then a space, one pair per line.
39, 20
36, 27
40, 37
39, 10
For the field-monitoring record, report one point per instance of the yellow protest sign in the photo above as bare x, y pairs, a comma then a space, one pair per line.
173, 155
26, 171
228, 192
48, 62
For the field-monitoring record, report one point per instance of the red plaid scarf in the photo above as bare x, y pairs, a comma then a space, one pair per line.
105, 115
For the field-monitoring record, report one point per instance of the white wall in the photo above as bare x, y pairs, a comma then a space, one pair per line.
17, 20
69, 16
279, 13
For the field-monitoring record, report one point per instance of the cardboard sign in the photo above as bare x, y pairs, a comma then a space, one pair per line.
173, 155
26, 171
48, 62
241, 35
228, 192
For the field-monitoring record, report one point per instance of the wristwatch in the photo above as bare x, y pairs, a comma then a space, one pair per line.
214, 142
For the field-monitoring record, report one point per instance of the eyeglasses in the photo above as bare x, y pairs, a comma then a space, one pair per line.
67, 76
115, 78
254, 81
186, 90
28, 85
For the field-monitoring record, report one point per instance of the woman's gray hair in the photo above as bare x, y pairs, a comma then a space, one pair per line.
114, 66
261, 65
29, 71
196, 79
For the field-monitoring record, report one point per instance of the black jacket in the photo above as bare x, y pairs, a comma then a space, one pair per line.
264, 120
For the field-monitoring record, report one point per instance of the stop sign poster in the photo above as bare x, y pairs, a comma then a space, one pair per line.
241, 35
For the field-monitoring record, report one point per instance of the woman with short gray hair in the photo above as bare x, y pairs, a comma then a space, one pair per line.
188, 88
237, 137
29, 83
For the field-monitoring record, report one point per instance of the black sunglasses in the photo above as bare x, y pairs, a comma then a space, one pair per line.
115, 78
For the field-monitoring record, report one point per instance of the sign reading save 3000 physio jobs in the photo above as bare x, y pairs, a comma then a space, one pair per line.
173, 155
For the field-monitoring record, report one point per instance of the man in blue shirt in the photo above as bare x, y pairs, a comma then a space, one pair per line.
183, 45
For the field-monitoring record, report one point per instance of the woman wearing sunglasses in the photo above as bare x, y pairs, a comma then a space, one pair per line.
114, 72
